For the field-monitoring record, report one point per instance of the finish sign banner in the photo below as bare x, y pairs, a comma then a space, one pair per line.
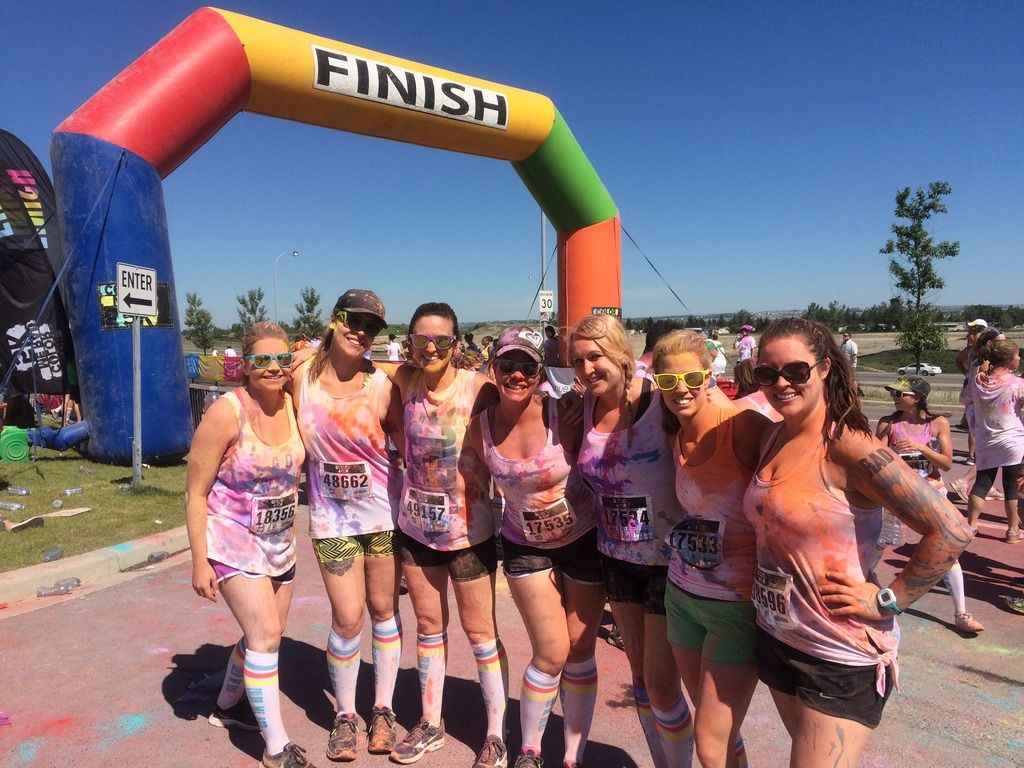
27, 227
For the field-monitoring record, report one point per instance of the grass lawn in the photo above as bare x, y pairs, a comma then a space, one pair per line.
891, 359
116, 515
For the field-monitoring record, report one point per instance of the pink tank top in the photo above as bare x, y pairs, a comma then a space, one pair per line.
803, 529
354, 485
547, 504
634, 480
251, 506
713, 551
446, 502
919, 433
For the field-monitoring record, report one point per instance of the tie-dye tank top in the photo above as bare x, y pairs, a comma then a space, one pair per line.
547, 504
919, 433
632, 472
354, 485
251, 506
446, 502
803, 528
713, 550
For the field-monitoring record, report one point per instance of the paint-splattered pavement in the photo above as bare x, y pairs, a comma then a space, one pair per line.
103, 679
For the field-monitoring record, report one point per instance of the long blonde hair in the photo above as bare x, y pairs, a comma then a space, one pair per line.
611, 338
678, 343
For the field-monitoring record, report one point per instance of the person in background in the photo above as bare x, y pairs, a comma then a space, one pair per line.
719, 361
470, 345
923, 440
656, 330
749, 395
850, 349
744, 344
551, 347
828, 640
241, 494
393, 350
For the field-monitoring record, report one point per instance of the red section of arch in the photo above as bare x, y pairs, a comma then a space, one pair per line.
172, 99
589, 272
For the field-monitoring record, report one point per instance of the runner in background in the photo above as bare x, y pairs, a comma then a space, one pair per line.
241, 493
549, 543
923, 440
347, 409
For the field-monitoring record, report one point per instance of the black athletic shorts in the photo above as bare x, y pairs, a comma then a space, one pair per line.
463, 564
577, 560
634, 583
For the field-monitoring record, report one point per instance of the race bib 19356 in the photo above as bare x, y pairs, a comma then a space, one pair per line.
273, 514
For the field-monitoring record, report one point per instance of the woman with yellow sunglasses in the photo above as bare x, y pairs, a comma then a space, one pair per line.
711, 620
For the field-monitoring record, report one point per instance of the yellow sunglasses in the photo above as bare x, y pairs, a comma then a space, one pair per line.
692, 379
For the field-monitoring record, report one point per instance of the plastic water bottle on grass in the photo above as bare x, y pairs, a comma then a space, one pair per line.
18, 490
72, 582
11, 506
53, 553
56, 589
76, 490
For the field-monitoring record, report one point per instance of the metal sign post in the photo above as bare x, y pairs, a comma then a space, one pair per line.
136, 298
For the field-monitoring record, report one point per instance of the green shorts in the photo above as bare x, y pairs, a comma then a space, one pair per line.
381, 544
724, 631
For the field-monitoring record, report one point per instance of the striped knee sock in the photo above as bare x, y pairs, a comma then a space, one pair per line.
343, 665
536, 698
675, 731
233, 688
579, 696
650, 728
492, 684
740, 750
265, 697
431, 662
387, 653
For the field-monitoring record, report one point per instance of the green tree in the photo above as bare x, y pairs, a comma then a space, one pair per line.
912, 266
741, 318
308, 321
250, 308
198, 323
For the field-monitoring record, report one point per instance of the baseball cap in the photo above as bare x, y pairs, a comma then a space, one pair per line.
979, 323
914, 384
361, 300
746, 327
522, 337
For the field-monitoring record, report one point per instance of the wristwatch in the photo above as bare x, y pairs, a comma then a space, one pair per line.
886, 600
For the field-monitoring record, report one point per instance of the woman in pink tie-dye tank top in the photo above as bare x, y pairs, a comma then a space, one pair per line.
827, 637
241, 496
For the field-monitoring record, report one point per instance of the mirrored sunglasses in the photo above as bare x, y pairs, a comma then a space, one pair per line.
529, 369
794, 373
421, 340
283, 360
692, 379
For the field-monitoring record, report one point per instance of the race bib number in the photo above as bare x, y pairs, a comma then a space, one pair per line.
427, 510
628, 518
698, 542
348, 481
770, 594
548, 524
917, 461
273, 514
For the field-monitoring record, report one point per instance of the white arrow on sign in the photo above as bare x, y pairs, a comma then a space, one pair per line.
136, 290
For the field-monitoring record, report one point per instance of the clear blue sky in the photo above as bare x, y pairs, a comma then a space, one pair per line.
754, 150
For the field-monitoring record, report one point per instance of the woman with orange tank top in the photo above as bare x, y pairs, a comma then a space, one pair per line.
827, 637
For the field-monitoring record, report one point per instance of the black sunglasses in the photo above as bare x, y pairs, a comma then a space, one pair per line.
794, 373
508, 367
357, 322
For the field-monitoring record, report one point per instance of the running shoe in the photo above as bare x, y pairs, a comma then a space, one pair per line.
1015, 536
380, 735
967, 623
417, 742
293, 756
1015, 603
492, 754
615, 639
238, 715
969, 461
529, 759
341, 744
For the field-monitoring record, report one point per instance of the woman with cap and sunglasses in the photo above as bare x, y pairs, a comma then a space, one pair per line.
549, 543
241, 493
923, 440
710, 616
347, 410
827, 637
626, 458
446, 530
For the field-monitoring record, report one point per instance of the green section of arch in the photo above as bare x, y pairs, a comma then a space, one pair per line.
564, 183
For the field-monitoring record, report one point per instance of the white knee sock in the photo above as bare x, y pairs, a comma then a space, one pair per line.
387, 653
261, 687
343, 665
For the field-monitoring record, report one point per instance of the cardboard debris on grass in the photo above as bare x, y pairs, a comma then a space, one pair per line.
37, 520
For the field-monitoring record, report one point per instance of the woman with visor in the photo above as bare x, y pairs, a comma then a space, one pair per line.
347, 409
827, 638
446, 530
549, 543
711, 620
241, 493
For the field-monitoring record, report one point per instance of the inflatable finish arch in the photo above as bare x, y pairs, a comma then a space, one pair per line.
110, 155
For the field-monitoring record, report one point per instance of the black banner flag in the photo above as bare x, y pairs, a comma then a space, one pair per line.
27, 235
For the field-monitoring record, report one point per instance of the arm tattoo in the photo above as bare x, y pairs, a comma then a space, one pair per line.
876, 461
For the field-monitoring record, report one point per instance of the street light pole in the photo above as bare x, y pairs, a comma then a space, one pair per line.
282, 253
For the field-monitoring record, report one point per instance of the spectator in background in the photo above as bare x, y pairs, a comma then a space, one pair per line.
551, 346
393, 349
470, 345
230, 352
657, 329
719, 362
744, 344
849, 348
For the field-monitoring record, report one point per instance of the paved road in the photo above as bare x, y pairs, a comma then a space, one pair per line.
102, 678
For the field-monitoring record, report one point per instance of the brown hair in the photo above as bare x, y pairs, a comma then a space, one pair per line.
743, 375
999, 354
842, 403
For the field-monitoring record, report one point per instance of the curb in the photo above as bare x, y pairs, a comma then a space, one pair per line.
90, 566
